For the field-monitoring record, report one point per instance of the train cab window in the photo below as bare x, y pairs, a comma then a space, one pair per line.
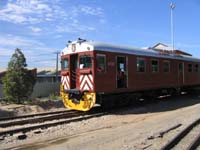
85, 61
196, 68
154, 66
166, 66
101, 63
65, 64
189, 67
140, 65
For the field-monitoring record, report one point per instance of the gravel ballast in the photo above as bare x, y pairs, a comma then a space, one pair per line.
134, 128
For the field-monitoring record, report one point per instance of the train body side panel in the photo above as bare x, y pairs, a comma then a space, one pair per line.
138, 81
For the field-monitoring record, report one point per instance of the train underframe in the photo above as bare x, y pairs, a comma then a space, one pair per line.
130, 98
84, 101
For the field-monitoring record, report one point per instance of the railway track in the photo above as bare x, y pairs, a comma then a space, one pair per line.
27, 123
188, 139
32, 115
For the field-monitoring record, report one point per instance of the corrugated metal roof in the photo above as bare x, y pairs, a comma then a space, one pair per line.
47, 73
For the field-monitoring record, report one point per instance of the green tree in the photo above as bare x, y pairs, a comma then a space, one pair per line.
18, 82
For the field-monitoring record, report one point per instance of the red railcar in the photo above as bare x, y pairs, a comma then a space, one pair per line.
107, 74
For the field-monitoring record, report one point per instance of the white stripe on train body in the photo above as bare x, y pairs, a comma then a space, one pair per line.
86, 82
65, 82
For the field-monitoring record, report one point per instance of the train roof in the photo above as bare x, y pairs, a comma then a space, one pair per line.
85, 46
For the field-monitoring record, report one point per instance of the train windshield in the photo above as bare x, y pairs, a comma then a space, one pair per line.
85, 61
65, 64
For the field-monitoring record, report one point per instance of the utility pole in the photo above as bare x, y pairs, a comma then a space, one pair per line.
172, 6
57, 65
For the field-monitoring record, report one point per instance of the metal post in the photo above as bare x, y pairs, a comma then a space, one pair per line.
56, 65
172, 6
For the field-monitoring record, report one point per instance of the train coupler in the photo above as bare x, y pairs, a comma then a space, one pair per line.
75, 95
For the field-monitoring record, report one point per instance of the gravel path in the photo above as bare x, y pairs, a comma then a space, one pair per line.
134, 128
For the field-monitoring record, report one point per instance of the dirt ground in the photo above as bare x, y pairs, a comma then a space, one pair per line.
134, 128
38, 106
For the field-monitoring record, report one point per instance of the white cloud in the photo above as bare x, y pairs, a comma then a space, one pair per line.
48, 16
57, 36
5, 52
32, 50
102, 21
35, 29
90, 10
32, 47
13, 17
43, 7
42, 11
73, 22
74, 28
11, 40
24, 11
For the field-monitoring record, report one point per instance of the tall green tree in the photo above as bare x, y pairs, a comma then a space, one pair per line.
18, 82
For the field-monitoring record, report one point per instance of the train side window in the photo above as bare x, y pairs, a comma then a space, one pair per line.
166, 66
101, 63
196, 68
65, 64
154, 66
189, 67
140, 65
85, 61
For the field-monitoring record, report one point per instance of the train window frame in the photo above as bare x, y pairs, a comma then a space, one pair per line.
190, 67
154, 67
166, 70
83, 65
196, 68
99, 68
63, 65
139, 67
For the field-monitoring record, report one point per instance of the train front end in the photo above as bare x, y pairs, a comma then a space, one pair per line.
77, 76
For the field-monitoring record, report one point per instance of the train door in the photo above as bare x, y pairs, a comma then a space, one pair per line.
181, 74
122, 73
73, 70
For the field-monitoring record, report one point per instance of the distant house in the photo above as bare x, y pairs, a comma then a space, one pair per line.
47, 82
165, 49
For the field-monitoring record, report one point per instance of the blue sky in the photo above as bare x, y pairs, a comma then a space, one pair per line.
42, 27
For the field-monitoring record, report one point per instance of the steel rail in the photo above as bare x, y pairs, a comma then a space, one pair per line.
180, 136
195, 143
32, 115
44, 126
41, 119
